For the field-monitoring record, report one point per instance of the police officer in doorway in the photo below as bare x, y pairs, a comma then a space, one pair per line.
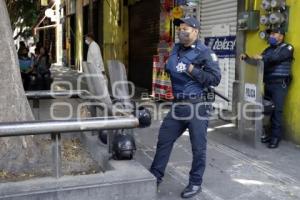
192, 67
277, 60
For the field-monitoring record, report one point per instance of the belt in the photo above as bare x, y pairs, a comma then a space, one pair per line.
279, 81
193, 101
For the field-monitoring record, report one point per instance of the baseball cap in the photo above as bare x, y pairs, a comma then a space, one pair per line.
277, 30
191, 21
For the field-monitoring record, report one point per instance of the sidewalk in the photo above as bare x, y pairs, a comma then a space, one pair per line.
234, 170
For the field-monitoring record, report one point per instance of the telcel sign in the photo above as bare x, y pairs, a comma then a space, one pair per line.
224, 46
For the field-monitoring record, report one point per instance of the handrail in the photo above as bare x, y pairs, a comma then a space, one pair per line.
56, 127
45, 94
63, 126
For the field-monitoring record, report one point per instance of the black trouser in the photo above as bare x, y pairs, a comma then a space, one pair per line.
26, 79
276, 91
44, 81
172, 128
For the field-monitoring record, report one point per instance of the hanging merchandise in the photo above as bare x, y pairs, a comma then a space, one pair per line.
177, 12
161, 84
165, 26
155, 75
163, 50
166, 88
167, 4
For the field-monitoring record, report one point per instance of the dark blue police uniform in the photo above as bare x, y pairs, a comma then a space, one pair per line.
277, 75
188, 110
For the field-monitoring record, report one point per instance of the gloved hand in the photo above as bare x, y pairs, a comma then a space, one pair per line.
257, 57
243, 56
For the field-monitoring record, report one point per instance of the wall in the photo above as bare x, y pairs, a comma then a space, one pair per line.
115, 35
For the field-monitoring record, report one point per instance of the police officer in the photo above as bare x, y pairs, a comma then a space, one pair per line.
192, 68
277, 60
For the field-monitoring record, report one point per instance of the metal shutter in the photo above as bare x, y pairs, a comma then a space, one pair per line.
220, 12
144, 19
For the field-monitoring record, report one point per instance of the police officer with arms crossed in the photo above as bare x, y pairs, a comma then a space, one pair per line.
192, 67
277, 60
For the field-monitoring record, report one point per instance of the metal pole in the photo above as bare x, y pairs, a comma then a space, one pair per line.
36, 107
259, 100
56, 154
59, 41
48, 94
45, 27
239, 70
82, 94
74, 125
79, 35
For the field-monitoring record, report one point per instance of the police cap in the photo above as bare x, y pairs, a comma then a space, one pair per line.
191, 21
277, 30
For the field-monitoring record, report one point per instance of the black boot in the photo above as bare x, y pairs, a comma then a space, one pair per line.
190, 191
265, 139
274, 143
158, 182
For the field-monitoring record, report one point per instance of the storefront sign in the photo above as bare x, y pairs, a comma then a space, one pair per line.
224, 46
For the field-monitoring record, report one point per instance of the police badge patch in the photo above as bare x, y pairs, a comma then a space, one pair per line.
181, 67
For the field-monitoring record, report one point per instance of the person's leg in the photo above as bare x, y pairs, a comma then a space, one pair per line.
27, 82
198, 133
267, 132
39, 82
47, 81
24, 77
169, 131
279, 92
44, 82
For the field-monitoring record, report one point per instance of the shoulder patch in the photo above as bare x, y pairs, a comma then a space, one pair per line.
290, 47
214, 57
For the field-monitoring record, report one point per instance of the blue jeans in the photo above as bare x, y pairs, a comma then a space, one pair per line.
277, 93
172, 128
